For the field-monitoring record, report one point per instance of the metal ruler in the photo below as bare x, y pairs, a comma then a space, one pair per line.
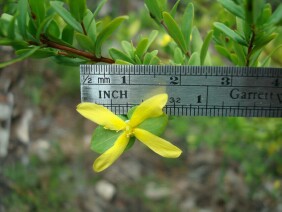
192, 90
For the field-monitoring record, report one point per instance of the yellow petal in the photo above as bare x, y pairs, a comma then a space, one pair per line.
101, 116
152, 107
157, 144
112, 154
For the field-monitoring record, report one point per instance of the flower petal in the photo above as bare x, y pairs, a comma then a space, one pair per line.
150, 108
112, 154
157, 144
101, 116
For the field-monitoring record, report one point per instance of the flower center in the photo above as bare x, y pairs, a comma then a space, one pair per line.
128, 129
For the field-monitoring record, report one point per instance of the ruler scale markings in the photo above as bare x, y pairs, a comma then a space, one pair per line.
235, 86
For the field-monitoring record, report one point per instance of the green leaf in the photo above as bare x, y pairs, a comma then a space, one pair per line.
155, 61
40, 53
54, 30
187, 23
221, 50
154, 9
14, 43
263, 41
258, 6
153, 35
233, 8
142, 47
68, 34
43, 25
174, 31
174, 8
103, 139
38, 10
70, 61
197, 41
230, 33
155, 125
118, 55
11, 29
107, 32
277, 15
99, 7
57, 6
178, 57
240, 53
137, 60
128, 48
20, 57
90, 24
205, 47
85, 42
122, 62
194, 59
22, 18
265, 61
77, 9
265, 16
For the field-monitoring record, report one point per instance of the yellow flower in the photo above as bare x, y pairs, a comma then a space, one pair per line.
150, 108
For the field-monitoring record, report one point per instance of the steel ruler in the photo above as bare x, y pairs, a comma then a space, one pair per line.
192, 90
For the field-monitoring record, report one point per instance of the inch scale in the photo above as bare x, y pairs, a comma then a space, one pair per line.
192, 90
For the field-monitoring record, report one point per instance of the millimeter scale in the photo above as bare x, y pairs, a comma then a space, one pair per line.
192, 90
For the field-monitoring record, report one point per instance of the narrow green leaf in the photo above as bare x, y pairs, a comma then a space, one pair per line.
57, 6
187, 23
22, 18
70, 61
11, 29
20, 57
155, 10
90, 24
68, 34
265, 16
85, 42
240, 53
77, 9
118, 55
205, 47
194, 59
178, 57
107, 32
197, 41
230, 33
38, 10
137, 60
14, 43
128, 48
258, 6
263, 41
54, 30
99, 7
155, 61
153, 35
150, 57
174, 31
39, 54
142, 47
44, 25
221, 50
122, 62
265, 61
277, 15
233, 8
174, 8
